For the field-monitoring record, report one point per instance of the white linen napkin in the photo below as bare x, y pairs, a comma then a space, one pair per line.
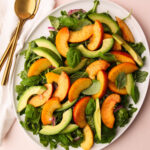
8, 23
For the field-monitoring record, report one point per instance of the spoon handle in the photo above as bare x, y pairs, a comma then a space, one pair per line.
10, 56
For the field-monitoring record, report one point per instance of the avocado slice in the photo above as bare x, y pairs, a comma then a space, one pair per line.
52, 130
22, 103
97, 119
130, 83
129, 49
66, 105
106, 46
47, 44
49, 54
70, 128
70, 70
106, 19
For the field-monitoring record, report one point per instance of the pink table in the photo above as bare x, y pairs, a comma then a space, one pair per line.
138, 135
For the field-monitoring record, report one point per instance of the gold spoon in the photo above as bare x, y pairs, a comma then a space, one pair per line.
3, 58
24, 10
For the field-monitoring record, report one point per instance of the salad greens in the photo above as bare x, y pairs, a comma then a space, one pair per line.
75, 67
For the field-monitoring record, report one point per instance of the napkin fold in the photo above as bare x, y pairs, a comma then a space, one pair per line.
8, 23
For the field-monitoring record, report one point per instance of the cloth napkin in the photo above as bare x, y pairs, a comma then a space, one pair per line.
8, 23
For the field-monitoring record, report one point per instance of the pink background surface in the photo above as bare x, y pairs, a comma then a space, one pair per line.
138, 134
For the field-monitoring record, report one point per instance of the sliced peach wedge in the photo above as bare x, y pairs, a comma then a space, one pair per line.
123, 57
79, 112
88, 138
47, 111
97, 37
81, 35
78, 86
61, 42
96, 66
52, 77
38, 66
113, 88
126, 32
123, 67
103, 79
108, 108
63, 86
39, 100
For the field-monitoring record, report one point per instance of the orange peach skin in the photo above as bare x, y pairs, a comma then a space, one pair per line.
113, 88
126, 32
123, 57
78, 86
38, 66
62, 38
88, 138
103, 79
79, 112
116, 46
81, 35
108, 108
47, 112
39, 100
96, 66
52, 77
97, 37
123, 67
63, 86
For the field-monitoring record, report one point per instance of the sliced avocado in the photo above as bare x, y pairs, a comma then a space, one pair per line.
50, 55
66, 105
97, 119
52, 130
128, 48
70, 70
130, 83
47, 44
106, 19
106, 46
27, 94
70, 128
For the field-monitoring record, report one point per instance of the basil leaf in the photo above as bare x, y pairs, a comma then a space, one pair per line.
140, 76
121, 80
107, 56
135, 93
93, 89
90, 108
78, 75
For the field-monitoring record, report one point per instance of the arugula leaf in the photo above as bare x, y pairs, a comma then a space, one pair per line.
52, 36
94, 9
107, 56
140, 76
90, 121
131, 110
125, 100
20, 89
90, 108
135, 93
73, 57
121, 80
77, 75
23, 74
54, 21
138, 47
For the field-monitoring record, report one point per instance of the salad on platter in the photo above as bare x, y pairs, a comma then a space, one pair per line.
79, 84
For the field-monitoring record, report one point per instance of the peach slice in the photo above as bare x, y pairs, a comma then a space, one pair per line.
123, 67
38, 66
52, 77
96, 66
62, 38
81, 35
126, 32
97, 37
107, 110
116, 46
88, 138
123, 57
78, 86
103, 79
39, 100
113, 88
63, 86
79, 112
47, 112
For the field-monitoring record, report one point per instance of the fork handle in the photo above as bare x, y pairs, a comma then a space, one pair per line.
10, 56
